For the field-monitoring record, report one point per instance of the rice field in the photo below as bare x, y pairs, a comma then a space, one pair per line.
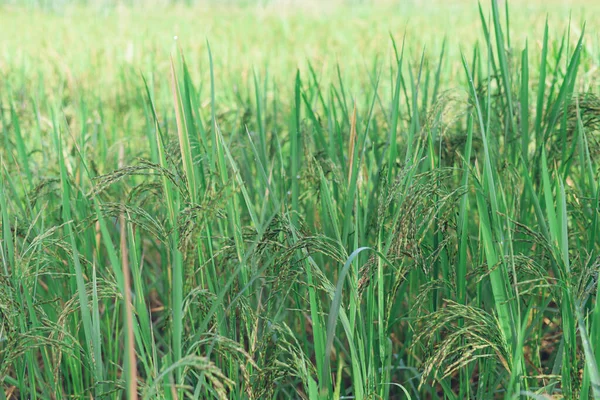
315, 200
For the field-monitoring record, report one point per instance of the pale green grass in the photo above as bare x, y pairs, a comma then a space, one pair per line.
333, 202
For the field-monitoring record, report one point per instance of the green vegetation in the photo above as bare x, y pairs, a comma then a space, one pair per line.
309, 204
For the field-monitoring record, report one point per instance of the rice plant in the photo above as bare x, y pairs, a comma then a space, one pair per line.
424, 228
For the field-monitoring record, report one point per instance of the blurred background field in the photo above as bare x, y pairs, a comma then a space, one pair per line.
101, 46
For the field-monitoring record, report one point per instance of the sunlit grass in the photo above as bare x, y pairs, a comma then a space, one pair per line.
331, 202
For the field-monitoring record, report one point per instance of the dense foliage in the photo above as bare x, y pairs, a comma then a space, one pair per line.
427, 230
